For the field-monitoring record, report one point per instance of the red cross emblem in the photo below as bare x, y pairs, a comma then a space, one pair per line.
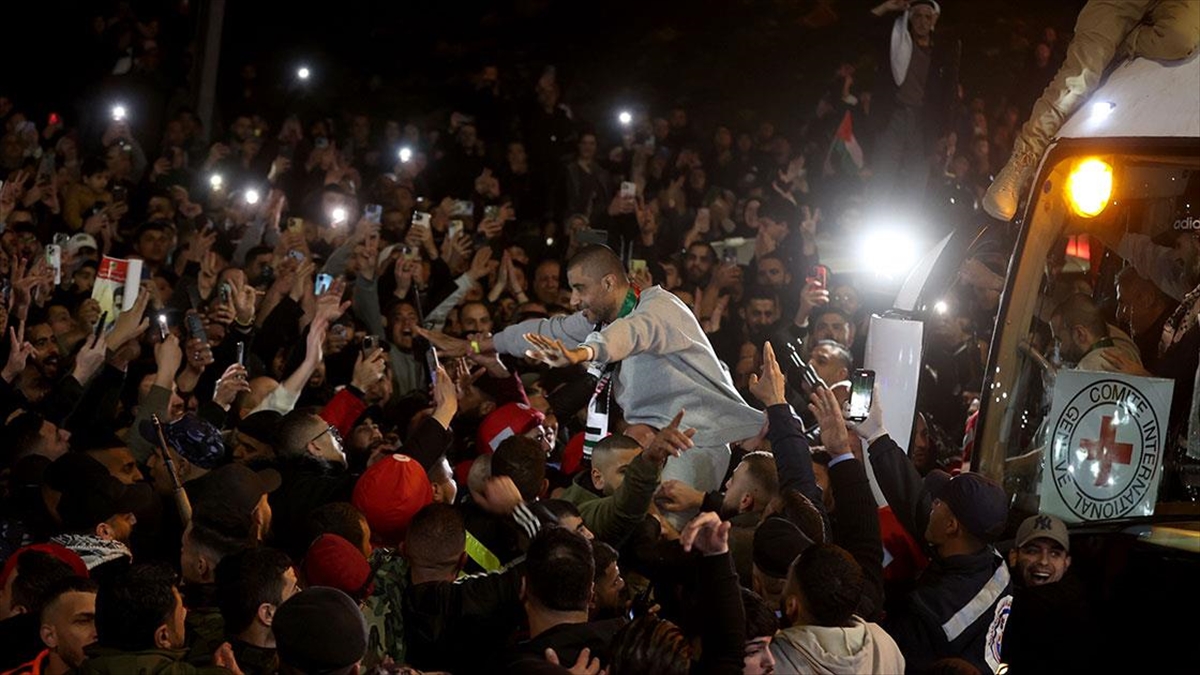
1107, 450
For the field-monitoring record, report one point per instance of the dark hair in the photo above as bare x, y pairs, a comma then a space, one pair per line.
760, 618
436, 536
296, 431
597, 262
37, 572
247, 580
610, 444
523, 460
92, 166
131, 607
340, 518
71, 584
839, 352
760, 293
761, 467
603, 555
829, 581
559, 570
220, 538
805, 515
650, 646
1080, 310
555, 509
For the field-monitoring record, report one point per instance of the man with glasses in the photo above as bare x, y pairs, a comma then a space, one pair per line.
312, 461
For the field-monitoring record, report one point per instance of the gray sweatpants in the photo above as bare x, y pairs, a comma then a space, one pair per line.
701, 467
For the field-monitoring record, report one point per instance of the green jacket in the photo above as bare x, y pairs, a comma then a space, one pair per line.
383, 608
613, 517
204, 629
106, 661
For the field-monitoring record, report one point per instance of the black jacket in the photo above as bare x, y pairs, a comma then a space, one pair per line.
855, 522
949, 612
440, 617
941, 85
306, 486
1047, 629
20, 640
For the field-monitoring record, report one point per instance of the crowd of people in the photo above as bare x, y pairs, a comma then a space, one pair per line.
505, 394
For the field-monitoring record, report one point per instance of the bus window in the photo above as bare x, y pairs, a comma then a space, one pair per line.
1090, 302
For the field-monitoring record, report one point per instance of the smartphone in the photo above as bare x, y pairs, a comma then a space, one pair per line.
491, 212
119, 194
99, 329
370, 343
730, 256
373, 213
54, 260
862, 390
296, 255
411, 253
295, 225
54, 119
163, 329
421, 219
628, 190
431, 362
224, 291
462, 207
636, 266
241, 353
321, 143
820, 274
455, 229
195, 327
324, 281
62, 239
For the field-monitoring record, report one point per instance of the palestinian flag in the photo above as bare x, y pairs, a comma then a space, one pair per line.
845, 156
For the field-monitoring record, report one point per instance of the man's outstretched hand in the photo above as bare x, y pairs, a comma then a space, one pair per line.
554, 353
670, 442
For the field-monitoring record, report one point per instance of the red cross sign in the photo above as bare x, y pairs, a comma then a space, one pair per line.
1107, 450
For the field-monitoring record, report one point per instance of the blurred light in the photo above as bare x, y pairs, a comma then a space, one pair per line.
890, 252
625, 117
941, 307
549, 241
1089, 187
1101, 110
216, 181
338, 214
252, 196
405, 155
303, 72
118, 113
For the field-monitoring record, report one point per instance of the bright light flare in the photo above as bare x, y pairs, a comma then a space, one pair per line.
338, 214
118, 113
1089, 187
303, 72
625, 117
216, 181
889, 252
405, 155
252, 196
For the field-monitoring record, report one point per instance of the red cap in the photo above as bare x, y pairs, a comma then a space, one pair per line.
389, 494
332, 561
63, 553
572, 457
510, 419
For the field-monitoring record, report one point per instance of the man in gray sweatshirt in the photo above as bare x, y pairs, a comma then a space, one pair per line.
656, 353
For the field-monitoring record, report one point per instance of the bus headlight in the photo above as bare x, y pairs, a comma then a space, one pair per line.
1089, 187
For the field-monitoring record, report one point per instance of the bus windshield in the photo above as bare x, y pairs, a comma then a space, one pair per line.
1089, 408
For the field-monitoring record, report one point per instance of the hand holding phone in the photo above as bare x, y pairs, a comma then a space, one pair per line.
163, 329
324, 281
195, 327
862, 392
820, 274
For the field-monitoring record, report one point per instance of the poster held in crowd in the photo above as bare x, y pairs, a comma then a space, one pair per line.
116, 287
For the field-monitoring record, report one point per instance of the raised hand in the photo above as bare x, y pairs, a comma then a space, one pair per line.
19, 352
584, 665
828, 411
670, 442
231, 383
130, 323
554, 353
90, 358
678, 496
770, 388
368, 369
447, 347
706, 533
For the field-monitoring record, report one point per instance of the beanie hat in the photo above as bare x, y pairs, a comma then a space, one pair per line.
332, 561
320, 629
389, 494
510, 419
778, 542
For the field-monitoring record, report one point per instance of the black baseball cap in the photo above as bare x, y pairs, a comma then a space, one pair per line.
84, 505
236, 485
320, 629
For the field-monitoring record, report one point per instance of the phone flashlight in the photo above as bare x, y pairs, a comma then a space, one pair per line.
216, 181
303, 72
405, 155
338, 215
118, 113
252, 196
163, 329
625, 117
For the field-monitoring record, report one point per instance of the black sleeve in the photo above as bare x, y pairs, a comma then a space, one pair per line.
902, 486
63, 399
99, 403
281, 328
856, 529
722, 618
429, 441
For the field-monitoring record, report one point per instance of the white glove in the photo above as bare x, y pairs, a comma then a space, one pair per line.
871, 428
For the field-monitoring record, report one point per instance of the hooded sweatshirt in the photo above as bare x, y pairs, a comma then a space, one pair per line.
859, 649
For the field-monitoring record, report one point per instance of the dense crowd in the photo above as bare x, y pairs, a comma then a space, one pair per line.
506, 393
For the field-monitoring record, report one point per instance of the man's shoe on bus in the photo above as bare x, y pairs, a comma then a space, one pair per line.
1005, 192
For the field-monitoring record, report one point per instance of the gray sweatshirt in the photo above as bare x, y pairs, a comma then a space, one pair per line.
667, 363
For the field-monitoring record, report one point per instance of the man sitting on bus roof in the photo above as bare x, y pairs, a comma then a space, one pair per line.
1087, 340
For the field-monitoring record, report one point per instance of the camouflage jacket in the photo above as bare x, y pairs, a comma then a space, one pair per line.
106, 661
385, 620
